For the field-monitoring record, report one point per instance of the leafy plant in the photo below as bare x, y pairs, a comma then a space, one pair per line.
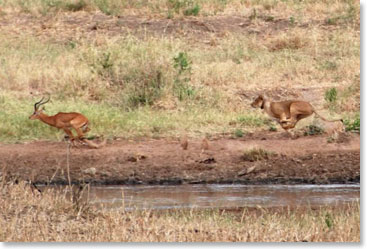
331, 95
328, 220
313, 130
353, 126
182, 88
272, 128
238, 133
192, 11
182, 63
186, 7
292, 20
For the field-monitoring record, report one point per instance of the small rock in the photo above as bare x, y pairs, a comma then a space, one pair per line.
135, 158
208, 160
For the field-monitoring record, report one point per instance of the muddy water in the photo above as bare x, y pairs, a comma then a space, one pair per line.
213, 195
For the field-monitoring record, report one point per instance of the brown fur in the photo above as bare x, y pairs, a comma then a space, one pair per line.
287, 113
63, 120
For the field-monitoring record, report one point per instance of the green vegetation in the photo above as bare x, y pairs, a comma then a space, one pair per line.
353, 125
311, 130
133, 83
331, 95
238, 133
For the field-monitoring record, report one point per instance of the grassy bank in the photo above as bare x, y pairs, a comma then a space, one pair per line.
133, 82
30, 216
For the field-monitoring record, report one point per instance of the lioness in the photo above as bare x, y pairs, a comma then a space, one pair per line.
287, 113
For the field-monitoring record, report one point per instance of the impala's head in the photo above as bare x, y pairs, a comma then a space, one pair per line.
258, 102
37, 110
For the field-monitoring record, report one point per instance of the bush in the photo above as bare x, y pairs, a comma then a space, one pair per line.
186, 7
238, 133
313, 130
331, 95
353, 126
182, 88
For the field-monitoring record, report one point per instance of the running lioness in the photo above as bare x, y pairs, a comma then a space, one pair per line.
287, 113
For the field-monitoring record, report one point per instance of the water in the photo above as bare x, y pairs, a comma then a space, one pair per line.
222, 196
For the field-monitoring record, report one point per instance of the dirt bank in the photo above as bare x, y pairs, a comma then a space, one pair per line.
309, 159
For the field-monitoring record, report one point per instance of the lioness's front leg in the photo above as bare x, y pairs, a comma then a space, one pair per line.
284, 118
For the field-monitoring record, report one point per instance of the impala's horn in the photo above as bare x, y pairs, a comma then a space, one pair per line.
39, 103
35, 105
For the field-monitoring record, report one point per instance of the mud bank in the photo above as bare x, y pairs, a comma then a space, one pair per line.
309, 159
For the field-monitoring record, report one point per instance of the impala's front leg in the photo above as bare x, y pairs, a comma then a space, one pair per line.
80, 135
70, 134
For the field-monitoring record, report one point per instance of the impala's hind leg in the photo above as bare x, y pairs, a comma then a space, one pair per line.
85, 128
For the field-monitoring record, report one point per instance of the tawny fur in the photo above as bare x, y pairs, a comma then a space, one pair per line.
65, 121
287, 113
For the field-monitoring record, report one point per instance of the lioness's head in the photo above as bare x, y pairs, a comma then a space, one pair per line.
258, 102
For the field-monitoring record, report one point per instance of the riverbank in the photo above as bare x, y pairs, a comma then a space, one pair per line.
257, 158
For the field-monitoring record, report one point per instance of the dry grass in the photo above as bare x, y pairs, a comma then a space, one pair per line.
44, 51
256, 154
50, 216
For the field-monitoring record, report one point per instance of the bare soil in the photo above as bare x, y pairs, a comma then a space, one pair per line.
306, 159
70, 26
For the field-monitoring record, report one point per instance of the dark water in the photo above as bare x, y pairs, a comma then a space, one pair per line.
217, 195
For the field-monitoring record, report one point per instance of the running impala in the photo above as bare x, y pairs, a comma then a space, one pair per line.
62, 120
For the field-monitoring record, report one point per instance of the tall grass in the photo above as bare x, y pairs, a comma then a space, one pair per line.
53, 216
126, 84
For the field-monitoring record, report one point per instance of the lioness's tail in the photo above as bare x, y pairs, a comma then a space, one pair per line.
94, 145
327, 120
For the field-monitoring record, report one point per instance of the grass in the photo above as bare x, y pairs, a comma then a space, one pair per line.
113, 121
256, 154
129, 85
53, 216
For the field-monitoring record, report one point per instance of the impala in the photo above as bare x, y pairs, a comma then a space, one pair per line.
62, 120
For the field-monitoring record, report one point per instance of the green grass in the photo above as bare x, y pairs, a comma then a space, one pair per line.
160, 85
112, 121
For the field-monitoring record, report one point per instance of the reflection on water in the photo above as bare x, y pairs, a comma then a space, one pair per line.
218, 195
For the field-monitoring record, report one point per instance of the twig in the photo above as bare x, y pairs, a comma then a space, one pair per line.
67, 162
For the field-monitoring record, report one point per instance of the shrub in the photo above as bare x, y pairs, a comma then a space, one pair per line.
238, 133
331, 95
313, 130
193, 11
353, 126
182, 88
186, 7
